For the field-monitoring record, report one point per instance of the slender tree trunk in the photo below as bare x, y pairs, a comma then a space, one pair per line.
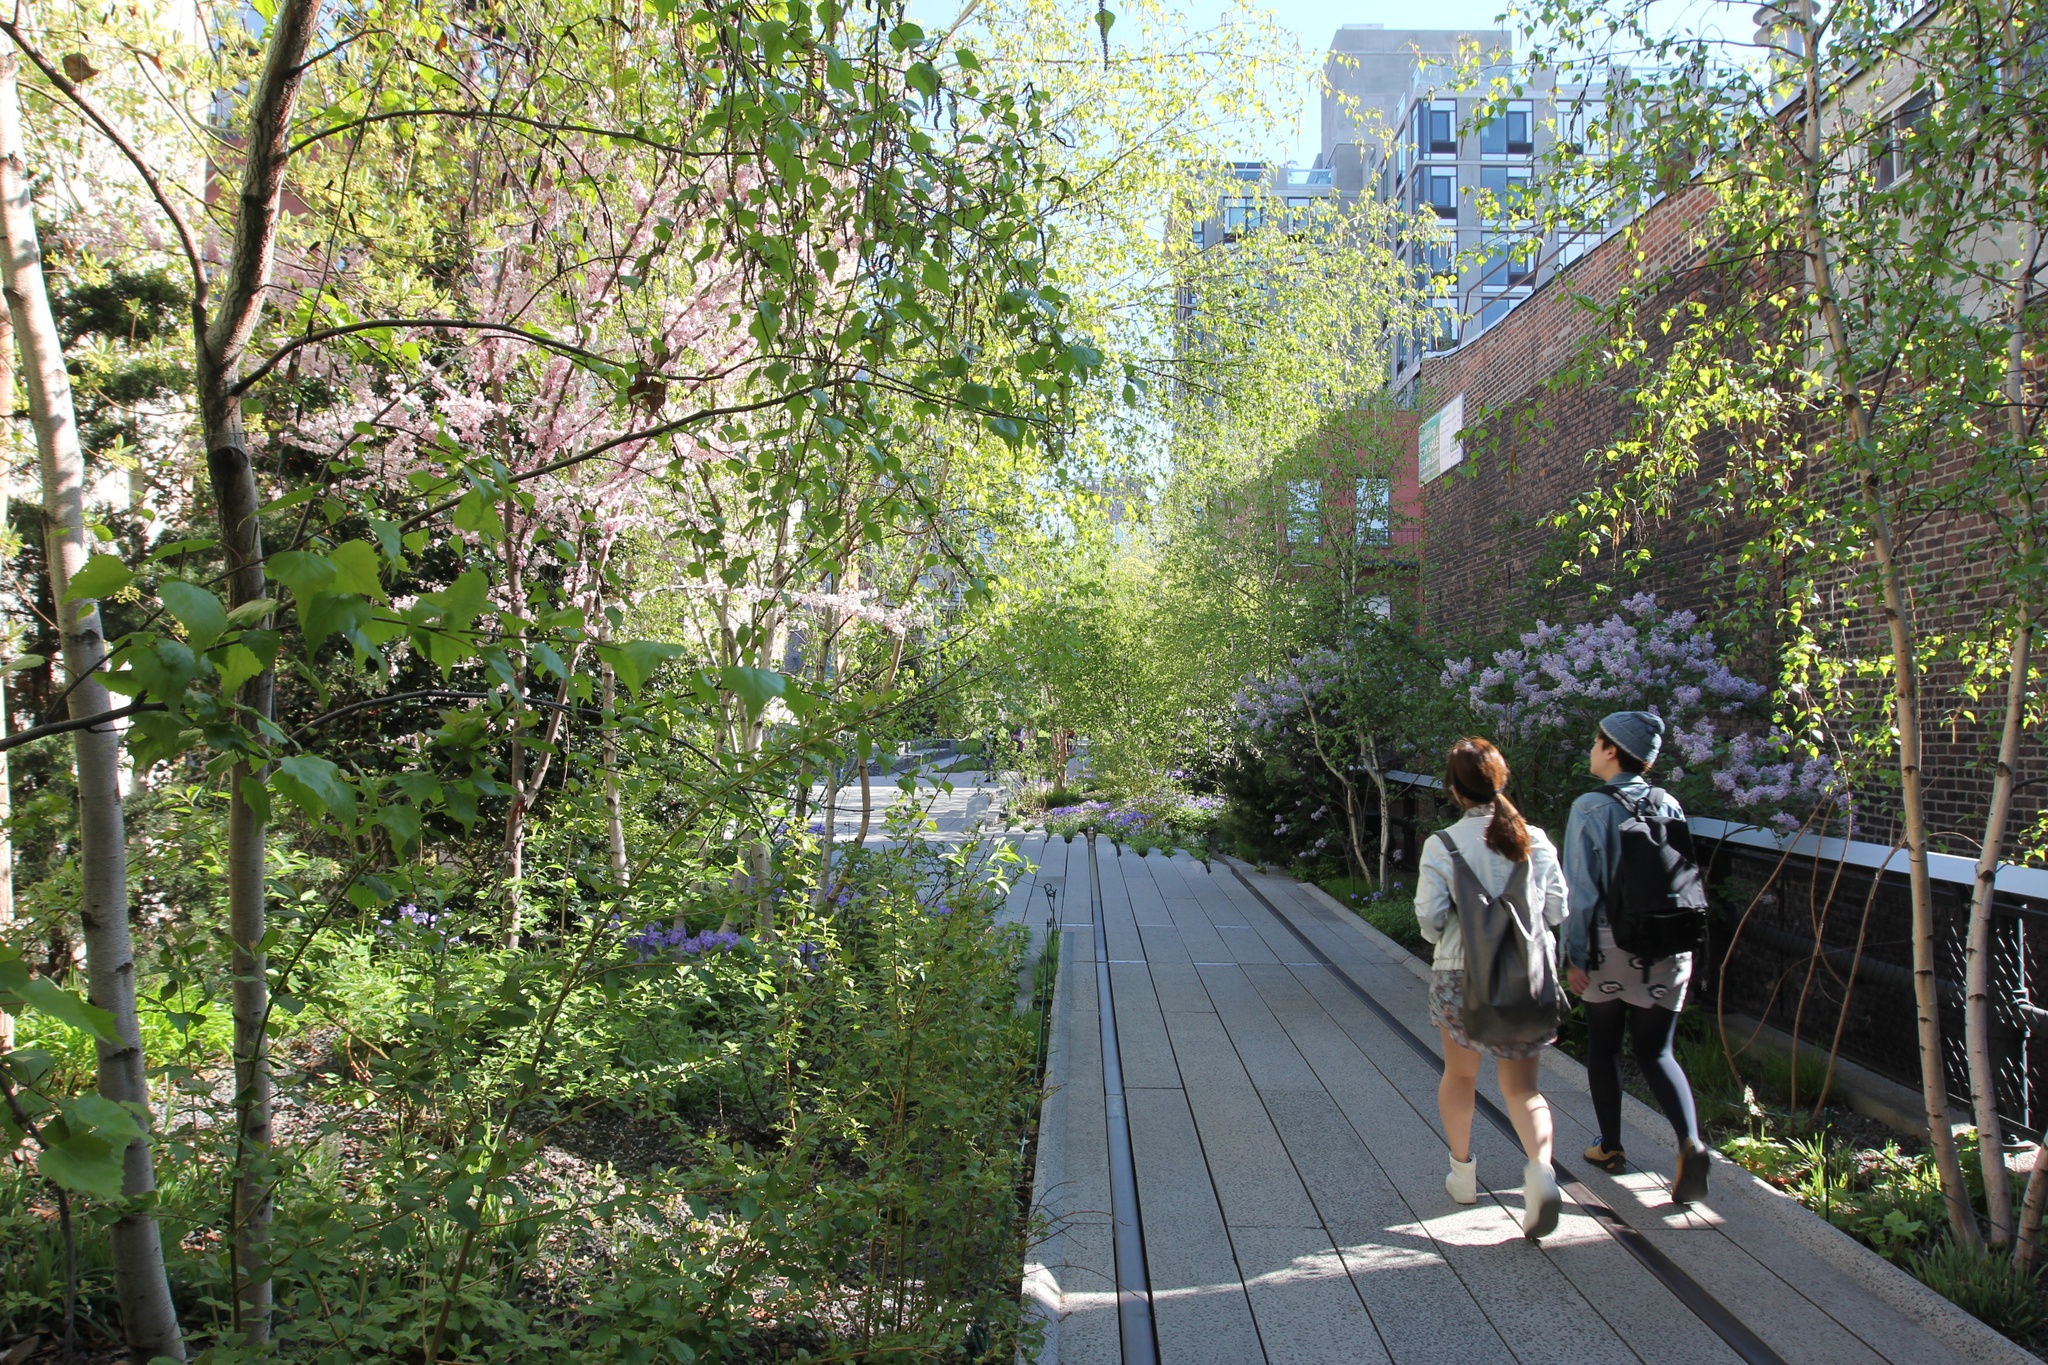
223, 337
6, 781
1905, 677
148, 1317
1977, 1022
1977, 1015
614, 814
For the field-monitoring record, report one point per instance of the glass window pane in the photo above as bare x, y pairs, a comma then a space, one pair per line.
1372, 510
1304, 519
1493, 139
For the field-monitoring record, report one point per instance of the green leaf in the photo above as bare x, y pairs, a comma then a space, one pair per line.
636, 661
315, 786
755, 687
102, 576
236, 665
252, 611
459, 604
303, 572
88, 1164
196, 609
479, 516
155, 736
107, 1118
23, 662
331, 613
44, 996
355, 562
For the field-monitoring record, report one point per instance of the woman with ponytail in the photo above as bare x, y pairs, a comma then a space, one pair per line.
1492, 839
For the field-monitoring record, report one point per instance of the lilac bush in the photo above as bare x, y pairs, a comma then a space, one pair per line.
1543, 700
657, 940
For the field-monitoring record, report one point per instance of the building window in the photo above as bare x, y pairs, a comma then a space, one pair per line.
1446, 325
1241, 216
1506, 259
1304, 517
1493, 312
1441, 256
1380, 605
1443, 193
1895, 152
1579, 127
1200, 235
1509, 186
1372, 511
1509, 133
1443, 127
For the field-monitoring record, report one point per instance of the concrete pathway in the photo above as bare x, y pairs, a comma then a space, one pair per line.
1289, 1170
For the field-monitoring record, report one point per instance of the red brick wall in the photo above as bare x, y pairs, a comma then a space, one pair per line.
1491, 556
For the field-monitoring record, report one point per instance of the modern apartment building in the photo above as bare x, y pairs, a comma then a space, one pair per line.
1397, 125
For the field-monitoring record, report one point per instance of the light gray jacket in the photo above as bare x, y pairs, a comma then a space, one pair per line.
1437, 913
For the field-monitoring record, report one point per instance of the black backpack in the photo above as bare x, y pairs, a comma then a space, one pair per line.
1656, 900
1511, 988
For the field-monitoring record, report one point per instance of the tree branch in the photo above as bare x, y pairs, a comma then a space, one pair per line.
59, 727
242, 385
100, 120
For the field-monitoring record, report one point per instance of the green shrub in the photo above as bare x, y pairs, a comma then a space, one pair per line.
1392, 911
1987, 1285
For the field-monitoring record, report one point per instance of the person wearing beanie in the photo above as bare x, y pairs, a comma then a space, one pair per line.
1626, 994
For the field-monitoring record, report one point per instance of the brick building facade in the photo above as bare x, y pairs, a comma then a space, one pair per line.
1530, 412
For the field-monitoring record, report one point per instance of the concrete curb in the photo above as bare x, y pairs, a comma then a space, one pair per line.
1964, 1334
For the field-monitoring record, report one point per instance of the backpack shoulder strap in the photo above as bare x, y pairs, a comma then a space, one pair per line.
1622, 801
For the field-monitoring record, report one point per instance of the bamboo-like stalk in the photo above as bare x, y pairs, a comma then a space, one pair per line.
148, 1316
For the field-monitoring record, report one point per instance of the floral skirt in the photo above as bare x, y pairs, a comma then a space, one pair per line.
1447, 1011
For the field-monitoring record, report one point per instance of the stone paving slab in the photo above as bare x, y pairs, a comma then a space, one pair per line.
1290, 1170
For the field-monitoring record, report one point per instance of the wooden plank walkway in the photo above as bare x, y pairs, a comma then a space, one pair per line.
1289, 1168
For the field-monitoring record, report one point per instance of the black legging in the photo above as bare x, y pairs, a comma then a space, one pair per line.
1651, 1031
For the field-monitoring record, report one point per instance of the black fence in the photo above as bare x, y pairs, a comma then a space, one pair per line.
1824, 951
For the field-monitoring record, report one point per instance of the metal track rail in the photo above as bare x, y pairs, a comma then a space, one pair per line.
1133, 1277
1711, 1312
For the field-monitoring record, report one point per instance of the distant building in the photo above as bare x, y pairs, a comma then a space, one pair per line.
1395, 126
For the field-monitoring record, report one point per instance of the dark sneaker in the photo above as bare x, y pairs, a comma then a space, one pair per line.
1691, 1185
1613, 1161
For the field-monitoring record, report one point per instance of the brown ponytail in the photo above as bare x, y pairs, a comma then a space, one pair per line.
1476, 771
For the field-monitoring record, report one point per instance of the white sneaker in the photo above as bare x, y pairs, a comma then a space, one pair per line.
1541, 1201
1462, 1184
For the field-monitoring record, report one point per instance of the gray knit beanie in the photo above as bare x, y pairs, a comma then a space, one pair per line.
1639, 734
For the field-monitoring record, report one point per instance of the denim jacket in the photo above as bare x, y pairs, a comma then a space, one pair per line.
1592, 850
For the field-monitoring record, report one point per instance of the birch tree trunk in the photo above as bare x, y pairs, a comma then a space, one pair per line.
6, 781
1977, 1022
615, 820
149, 1320
1905, 672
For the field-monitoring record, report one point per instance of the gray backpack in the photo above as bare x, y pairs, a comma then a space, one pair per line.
1511, 988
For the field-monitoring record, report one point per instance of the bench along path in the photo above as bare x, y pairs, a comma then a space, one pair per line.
1289, 1169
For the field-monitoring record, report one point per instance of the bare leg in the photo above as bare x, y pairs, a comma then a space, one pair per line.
1527, 1109
1454, 1096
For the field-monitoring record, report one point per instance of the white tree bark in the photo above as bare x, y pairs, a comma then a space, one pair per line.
6, 782
1977, 1013
148, 1316
1962, 1217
